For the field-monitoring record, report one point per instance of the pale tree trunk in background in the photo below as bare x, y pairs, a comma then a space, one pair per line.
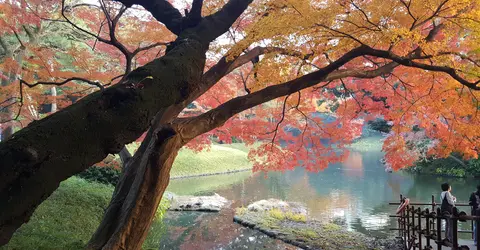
53, 93
8, 128
8, 131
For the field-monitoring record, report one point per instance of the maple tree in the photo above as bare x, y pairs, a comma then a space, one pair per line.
250, 70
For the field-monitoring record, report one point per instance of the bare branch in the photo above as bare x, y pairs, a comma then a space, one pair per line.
409, 11
99, 85
101, 39
18, 38
366, 16
151, 46
275, 131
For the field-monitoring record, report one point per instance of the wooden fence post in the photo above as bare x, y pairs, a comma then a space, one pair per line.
428, 233
477, 221
413, 228
420, 228
439, 230
408, 224
454, 221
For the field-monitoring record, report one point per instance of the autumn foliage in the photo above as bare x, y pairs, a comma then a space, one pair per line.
434, 100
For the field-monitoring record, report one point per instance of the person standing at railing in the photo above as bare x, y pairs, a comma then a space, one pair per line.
448, 204
475, 203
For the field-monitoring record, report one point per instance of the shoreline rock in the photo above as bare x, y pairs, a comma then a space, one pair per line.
213, 203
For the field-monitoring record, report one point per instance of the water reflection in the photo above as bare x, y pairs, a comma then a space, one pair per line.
354, 194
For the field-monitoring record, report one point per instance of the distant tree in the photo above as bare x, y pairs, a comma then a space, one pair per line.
380, 125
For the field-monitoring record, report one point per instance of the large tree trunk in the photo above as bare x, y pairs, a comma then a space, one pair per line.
136, 197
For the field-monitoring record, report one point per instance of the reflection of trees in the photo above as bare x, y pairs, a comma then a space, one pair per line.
353, 165
277, 184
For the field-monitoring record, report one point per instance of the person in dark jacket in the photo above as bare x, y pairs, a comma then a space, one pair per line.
475, 203
448, 204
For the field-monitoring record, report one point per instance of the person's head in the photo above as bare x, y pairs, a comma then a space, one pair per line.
446, 187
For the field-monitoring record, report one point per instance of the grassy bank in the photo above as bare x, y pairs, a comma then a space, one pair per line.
219, 158
69, 217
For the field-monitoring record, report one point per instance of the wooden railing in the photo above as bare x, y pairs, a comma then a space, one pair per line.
421, 223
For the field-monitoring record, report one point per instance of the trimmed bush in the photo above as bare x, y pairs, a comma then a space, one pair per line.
105, 175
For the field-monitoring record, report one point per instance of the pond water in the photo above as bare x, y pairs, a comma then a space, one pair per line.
354, 194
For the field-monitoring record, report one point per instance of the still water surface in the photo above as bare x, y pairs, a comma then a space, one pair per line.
354, 194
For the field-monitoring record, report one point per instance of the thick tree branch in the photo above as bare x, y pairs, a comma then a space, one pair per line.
196, 10
216, 117
162, 10
205, 122
218, 23
225, 66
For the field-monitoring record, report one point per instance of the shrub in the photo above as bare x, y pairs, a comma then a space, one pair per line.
448, 166
380, 125
105, 175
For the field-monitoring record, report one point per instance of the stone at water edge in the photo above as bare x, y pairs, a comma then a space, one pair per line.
212, 203
267, 205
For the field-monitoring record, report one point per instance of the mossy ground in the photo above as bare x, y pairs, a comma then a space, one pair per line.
307, 234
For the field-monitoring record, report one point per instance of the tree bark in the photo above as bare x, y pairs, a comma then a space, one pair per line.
37, 158
136, 197
125, 155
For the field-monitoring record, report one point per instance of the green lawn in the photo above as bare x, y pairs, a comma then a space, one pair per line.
219, 158
69, 217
